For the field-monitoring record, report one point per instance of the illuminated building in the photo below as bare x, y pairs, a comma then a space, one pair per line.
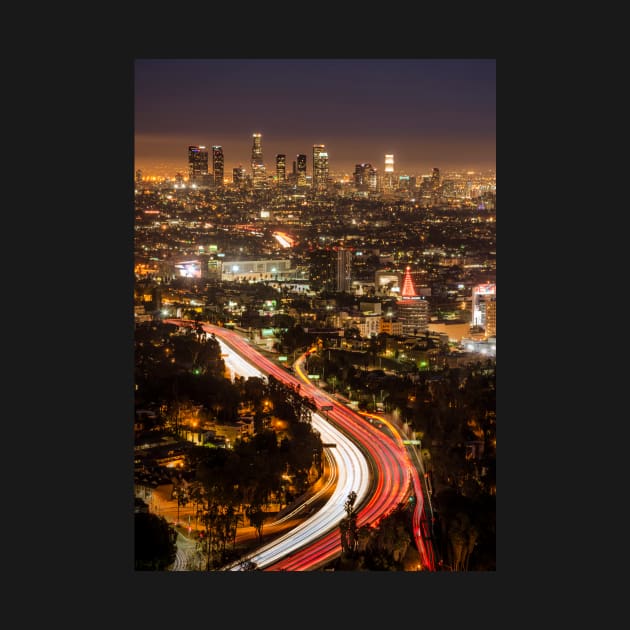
301, 169
362, 176
388, 178
256, 270
491, 317
281, 167
435, 183
373, 179
391, 326
435, 178
481, 295
217, 166
403, 182
138, 176
320, 167
387, 281
369, 324
412, 309
197, 164
344, 269
238, 176
258, 168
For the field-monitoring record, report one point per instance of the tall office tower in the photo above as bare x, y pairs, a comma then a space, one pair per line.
197, 164
238, 176
281, 168
388, 177
491, 317
373, 179
320, 167
217, 166
435, 179
258, 168
344, 269
481, 296
179, 179
412, 309
301, 170
138, 176
362, 176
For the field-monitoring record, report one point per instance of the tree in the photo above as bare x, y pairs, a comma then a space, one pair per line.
155, 543
348, 526
256, 517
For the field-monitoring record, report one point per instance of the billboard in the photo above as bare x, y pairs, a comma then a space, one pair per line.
485, 289
189, 269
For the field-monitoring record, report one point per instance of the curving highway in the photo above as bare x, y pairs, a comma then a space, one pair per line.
349, 465
316, 542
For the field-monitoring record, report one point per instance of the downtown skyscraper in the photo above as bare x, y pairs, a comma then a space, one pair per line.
281, 168
320, 167
217, 166
197, 164
258, 168
388, 177
301, 170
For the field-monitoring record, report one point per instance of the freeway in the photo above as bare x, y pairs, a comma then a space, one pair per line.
351, 471
393, 475
316, 542
421, 521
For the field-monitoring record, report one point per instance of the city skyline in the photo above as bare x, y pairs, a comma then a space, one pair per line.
426, 113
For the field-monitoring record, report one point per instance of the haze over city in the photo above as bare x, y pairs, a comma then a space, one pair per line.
427, 113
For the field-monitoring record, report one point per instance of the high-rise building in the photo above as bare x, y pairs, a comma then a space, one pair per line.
435, 179
491, 317
412, 309
217, 166
197, 164
320, 167
362, 176
388, 177
301, 170
344, 269
281, 167
138, 176
373, 179
238, 176
258, 168
481, 297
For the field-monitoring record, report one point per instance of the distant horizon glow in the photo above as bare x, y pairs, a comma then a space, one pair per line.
427, 113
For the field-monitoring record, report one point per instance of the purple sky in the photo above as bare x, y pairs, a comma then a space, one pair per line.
427, 113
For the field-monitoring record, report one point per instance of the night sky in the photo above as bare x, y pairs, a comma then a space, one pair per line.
426, 112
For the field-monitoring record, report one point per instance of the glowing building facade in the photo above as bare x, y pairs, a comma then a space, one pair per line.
197, 164
482, 295
281, 168
412, 309
217, 166
258, 168
388, 176
301, 170
344, 270
320, 167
